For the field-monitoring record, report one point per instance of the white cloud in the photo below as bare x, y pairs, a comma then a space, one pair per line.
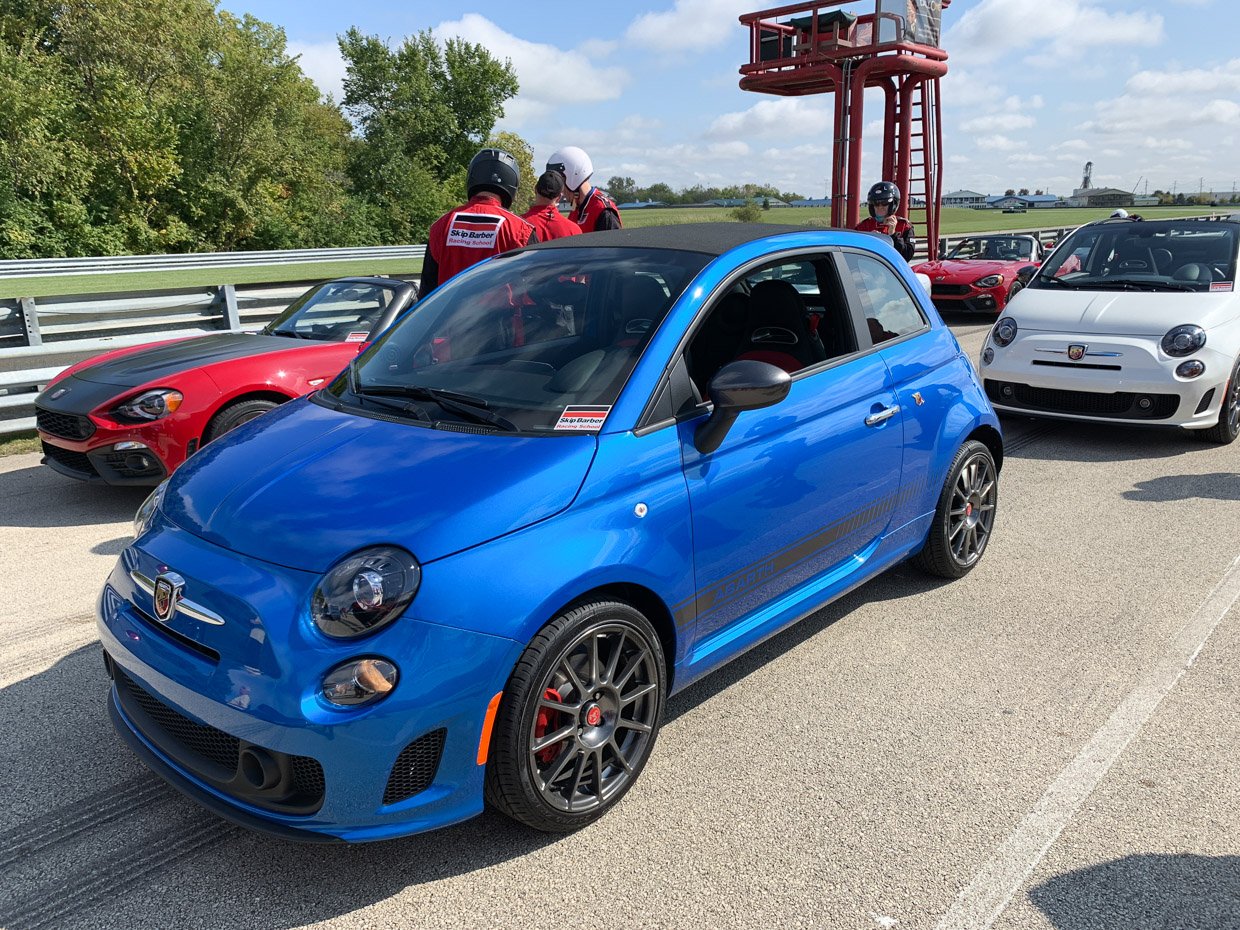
998, 122
1072, 145
322, 63
549, 76
1056, 29
1027, 158
1129, 114
997, 142
1220, 80
785, 115
690, 25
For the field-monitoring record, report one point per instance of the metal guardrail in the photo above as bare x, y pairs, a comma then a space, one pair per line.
45, 267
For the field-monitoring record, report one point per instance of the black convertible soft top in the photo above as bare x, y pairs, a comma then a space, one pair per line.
707, 238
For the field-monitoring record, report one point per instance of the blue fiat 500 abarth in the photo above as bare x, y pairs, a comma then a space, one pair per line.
572, 481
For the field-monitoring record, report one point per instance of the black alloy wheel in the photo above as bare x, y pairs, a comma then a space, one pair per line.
236, 413
1225, 431
965, 514
578, 719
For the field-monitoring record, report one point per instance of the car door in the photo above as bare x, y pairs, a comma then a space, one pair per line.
798, 489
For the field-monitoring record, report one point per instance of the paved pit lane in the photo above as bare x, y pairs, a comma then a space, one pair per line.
1049, 743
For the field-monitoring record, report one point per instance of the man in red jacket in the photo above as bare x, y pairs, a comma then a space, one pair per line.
884, 202
482, 227
544, 215
593, 210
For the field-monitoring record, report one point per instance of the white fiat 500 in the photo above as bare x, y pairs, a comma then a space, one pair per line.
1129, 321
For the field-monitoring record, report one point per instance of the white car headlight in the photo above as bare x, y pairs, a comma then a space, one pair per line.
1004, 332
1183, 340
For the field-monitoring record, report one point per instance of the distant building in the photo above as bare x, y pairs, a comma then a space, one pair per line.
639, 204
1021, 201
1101, 197
820, 202
740, 202
971, 199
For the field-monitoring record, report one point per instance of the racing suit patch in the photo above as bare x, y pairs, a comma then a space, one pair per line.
474, 230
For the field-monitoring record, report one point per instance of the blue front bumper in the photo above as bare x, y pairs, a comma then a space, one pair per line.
256, 680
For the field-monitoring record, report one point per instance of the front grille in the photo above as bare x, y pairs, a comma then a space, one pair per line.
215, 756
1089, 365
74, 461
415, 767
1120, 405
202, 740
949, 290
66, 425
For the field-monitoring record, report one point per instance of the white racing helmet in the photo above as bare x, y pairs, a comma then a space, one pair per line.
574, 164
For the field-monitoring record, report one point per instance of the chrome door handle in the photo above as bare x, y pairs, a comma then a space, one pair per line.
886, 414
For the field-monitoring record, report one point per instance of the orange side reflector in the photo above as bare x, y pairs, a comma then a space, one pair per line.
484, 742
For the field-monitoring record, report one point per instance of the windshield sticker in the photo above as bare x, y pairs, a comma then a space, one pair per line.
1221, 286
583, 419
356, 337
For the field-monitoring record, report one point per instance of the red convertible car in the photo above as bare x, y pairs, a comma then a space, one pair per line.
982, 273
133, 415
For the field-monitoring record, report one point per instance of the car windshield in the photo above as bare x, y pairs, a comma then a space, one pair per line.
1164, 255
993, 248
539, 341
337, 311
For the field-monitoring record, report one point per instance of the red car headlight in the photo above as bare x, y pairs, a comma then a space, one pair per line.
991, 280
151, 405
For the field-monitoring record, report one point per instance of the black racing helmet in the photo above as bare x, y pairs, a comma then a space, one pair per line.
496, 171
884, 192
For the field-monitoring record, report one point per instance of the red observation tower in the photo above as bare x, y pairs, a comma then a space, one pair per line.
823, 48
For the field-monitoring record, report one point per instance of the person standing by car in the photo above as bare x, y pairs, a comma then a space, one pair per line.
884, 202
593, 210
480, 228
544, 215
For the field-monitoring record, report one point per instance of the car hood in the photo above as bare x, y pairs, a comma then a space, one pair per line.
305, 485
969, 271
163, 361
1131, 313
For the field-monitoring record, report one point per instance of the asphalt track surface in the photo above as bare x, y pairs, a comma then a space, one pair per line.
1049, 743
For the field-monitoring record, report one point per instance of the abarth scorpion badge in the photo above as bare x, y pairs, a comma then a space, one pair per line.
168, 592
1076, 353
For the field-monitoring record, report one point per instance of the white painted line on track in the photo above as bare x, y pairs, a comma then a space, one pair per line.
981, 902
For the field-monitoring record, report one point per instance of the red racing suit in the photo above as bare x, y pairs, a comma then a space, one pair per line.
597, 212
902, 239
465, 236
550, 223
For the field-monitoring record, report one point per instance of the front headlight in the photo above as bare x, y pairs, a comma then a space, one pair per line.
991, 280
151, 405
1004, 332
365, 591
1183, 340
148, 508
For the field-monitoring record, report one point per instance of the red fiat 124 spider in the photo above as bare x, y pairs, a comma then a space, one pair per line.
133, 415
982, 273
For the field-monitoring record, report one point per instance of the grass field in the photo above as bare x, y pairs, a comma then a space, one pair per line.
954, 222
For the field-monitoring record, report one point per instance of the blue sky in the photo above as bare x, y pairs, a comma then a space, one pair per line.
1148, 91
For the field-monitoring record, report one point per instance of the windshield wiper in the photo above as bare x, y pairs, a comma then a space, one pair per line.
290, 333
412, 409
463, 405
1161, 285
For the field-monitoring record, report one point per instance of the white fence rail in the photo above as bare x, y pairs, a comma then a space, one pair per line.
44, 267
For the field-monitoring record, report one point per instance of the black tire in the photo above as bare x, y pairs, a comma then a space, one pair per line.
234, 415
605, 664
1225, 431
964, 516
1016, 288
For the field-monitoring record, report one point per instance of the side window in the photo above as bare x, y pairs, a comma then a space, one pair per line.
790, 313
889, 310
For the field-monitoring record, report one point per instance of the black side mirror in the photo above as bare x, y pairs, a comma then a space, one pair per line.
1026, 273
736, 387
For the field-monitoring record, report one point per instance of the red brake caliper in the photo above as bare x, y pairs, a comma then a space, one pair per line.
546, 723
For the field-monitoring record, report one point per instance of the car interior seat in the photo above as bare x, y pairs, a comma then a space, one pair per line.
1162, 260
1194, 272
641, 300
778, 330
719, 339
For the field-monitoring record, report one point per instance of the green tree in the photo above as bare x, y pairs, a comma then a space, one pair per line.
422, 113
622, 189
523, 152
